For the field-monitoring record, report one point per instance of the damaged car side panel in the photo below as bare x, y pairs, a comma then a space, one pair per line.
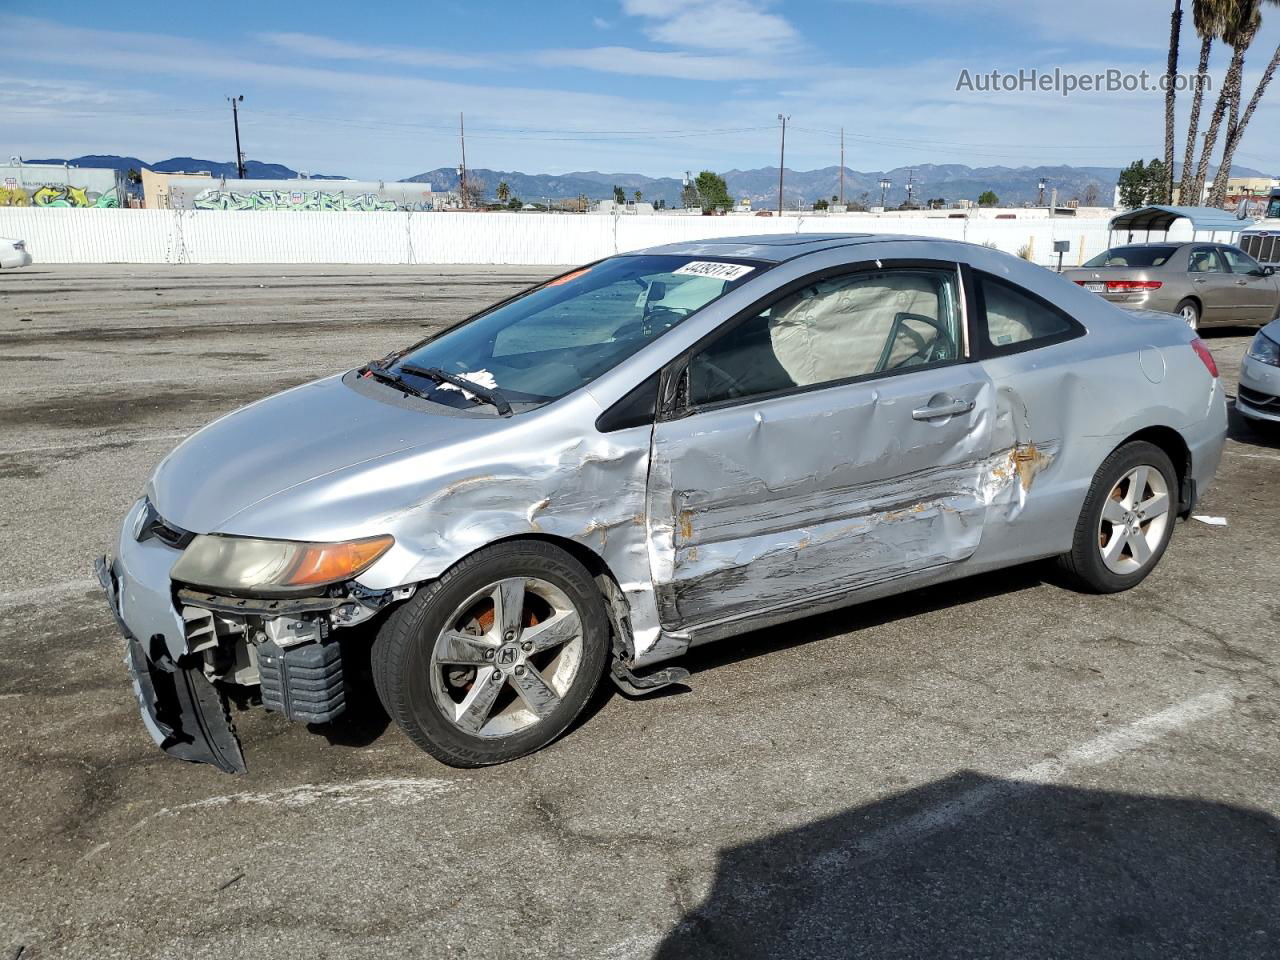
780, 502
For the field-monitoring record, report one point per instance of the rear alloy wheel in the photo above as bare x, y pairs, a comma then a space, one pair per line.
497, 657
1126, 522
1189, 310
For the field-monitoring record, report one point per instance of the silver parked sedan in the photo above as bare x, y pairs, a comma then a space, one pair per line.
1259, 395
1206, 283
648, 453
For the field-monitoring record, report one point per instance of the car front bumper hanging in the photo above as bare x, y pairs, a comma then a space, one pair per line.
184, 712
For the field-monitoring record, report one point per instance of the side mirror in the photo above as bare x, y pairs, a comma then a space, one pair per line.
1268, 271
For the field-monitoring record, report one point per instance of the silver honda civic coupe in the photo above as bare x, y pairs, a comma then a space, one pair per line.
650, 452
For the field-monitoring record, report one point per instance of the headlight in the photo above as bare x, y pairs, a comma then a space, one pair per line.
1265, 350
274, 566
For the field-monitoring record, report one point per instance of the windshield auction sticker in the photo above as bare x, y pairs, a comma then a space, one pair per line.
709, 268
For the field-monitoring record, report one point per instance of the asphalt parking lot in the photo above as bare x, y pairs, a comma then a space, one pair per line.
996, 768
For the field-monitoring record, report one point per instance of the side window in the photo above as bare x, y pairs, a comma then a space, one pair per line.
1205, 260
1239, 261
850, 326
1015, 318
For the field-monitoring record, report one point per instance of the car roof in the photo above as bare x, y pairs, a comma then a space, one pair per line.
774, 247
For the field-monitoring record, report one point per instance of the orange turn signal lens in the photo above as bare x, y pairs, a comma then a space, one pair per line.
318, 563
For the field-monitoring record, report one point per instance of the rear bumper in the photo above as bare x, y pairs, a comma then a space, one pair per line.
185, 714
1205, 443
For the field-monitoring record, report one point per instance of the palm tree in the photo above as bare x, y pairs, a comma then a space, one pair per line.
1235, 129
1208, 16
1240, 28
504, 191
638, 195
1175, 34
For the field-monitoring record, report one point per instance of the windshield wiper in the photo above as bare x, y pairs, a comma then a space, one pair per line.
395, 380
490, 395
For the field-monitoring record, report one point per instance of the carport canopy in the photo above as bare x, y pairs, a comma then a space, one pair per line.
1162, 218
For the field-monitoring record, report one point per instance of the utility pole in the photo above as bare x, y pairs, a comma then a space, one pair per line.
1043, 183
782, 159
911, 187
462, 167
842, 166
235, 120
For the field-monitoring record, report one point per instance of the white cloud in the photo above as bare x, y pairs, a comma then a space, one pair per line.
660, 63
326, 48
737, 25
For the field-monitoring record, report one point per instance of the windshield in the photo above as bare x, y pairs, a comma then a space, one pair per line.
1139, 256
562, 335
1273, 209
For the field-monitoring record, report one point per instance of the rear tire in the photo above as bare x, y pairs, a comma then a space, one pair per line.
1190, 312
1126, 521
497, 658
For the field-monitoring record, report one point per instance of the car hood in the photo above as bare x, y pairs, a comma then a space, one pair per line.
290, 439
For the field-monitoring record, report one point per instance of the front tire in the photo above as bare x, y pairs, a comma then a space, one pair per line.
1126, 522
496, 658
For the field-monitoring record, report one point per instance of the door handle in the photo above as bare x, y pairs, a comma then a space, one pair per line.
1198, 280
1242, 283
951, 409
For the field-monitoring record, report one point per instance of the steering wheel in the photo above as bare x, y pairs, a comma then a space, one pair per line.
732, 388
925, 350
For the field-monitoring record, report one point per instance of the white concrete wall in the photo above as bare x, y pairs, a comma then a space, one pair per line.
218, 236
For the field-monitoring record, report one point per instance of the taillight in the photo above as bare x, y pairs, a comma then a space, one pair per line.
1131, 286
1205, 356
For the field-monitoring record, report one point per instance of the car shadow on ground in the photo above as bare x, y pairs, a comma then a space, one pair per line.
975, 866
1243, 430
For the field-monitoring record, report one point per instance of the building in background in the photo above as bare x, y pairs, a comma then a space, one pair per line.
155, 187
199, 191
60, 185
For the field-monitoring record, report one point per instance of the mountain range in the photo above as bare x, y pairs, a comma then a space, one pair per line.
254, 169
949, 181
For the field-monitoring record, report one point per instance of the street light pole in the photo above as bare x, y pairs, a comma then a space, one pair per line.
462, 167
235, 120
782, 159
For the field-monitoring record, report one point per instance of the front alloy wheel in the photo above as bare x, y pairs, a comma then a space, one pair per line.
495, 658
506, 658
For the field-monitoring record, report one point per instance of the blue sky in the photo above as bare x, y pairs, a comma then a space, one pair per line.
648, 86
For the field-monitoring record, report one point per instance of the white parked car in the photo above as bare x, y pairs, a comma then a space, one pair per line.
13, 253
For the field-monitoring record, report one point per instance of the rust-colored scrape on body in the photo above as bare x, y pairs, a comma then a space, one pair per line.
1029, 460
686, 525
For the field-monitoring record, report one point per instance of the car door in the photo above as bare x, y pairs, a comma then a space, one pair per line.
832, 437
1213, 284
1254, 294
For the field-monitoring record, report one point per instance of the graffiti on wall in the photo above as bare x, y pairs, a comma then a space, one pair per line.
216, 199
57, 195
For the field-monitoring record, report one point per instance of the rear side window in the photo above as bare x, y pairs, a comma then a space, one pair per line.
1205, 260
1017, 319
